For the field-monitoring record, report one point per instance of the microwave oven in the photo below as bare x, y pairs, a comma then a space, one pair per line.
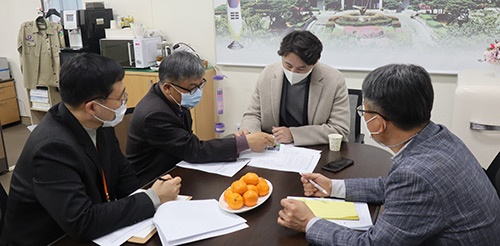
131, 53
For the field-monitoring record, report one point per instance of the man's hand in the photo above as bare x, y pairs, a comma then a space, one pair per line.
167, 188
294, 215
310, 190
241, 133
258, 141
282, 134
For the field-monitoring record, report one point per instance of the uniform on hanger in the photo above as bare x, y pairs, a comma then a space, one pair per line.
39, 52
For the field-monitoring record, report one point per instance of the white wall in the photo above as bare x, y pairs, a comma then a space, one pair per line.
191, 21
14, 13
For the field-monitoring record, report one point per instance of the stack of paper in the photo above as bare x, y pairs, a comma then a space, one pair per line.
288, 158
228, 169
352, 215
181, 222
140, 231
332, 210
40, 98
120, 236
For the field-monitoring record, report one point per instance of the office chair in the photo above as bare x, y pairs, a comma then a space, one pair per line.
355, 99
493, 173
121, 130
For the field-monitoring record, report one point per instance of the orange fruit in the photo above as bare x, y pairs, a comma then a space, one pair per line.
263, 187
253, 187
227, 194
251, 178
243, 178
239, 187
250, 198
235, 201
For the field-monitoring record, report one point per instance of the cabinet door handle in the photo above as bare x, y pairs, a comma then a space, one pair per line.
483, 127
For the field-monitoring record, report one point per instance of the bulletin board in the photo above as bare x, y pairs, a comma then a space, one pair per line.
360, 34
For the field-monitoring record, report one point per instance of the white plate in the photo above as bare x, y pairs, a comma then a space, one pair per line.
154, 68
262, 199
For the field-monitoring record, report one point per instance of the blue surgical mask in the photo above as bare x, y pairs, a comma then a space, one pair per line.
189, 100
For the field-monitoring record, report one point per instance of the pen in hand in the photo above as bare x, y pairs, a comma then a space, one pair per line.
316, 185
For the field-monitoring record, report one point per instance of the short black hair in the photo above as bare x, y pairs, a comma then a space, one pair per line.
179, 66
302, 43
87, 76
401, 92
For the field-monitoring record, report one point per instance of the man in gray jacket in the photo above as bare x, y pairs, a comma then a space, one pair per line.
436, 192
299, 100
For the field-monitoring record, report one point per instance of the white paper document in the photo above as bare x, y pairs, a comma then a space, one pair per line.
181, 222
228, 169
288, 158
365, 220
141, 229
120, 236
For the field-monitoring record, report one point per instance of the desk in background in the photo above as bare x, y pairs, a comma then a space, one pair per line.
369, 161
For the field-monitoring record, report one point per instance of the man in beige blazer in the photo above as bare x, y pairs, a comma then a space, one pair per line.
299, 99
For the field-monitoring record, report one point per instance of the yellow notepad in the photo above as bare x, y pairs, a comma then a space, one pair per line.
332, 210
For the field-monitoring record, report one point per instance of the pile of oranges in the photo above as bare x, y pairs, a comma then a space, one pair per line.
246, 191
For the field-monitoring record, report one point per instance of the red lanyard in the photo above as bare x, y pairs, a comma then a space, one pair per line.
104, 180
105, 186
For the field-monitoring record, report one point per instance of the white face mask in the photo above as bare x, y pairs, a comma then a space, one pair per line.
374, 133
295, 78
385, 126
119, 113
366, 124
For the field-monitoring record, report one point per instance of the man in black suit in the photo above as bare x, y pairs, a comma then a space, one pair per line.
71, 177
160, 134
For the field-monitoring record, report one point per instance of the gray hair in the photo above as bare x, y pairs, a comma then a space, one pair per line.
180, 66
401, 93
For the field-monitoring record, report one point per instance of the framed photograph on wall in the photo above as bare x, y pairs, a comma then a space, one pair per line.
444, 36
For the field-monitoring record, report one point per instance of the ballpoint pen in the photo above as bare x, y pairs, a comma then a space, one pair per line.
315, 185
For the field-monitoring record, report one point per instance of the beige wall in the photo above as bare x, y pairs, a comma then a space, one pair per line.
191, 21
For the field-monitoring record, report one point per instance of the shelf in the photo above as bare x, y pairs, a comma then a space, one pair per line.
40, 109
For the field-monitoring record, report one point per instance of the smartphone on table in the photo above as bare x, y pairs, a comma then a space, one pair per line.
338, 164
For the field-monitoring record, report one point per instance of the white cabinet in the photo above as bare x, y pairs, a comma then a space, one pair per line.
476, 113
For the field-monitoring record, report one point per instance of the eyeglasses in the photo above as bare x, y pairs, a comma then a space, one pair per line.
123, 99
361, 112
195, 89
